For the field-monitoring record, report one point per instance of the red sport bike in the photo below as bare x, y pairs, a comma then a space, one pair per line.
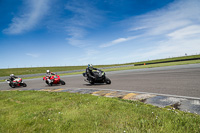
16, 83
54, 79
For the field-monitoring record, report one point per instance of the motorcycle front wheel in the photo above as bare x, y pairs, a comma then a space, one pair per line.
107, 81
91, 82
62, 82
24, 85
12, 85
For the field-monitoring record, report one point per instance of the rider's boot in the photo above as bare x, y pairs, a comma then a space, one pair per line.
49, 81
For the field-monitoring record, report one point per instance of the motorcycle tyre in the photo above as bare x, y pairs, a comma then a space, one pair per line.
12, 85
24, 84
108, 81
62, 82
91, 82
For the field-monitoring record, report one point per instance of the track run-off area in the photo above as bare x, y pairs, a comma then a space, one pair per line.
181, 80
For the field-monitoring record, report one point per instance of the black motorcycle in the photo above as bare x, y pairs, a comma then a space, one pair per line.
99, 77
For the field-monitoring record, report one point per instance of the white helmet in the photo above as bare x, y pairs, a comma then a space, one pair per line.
11, 75
48, 71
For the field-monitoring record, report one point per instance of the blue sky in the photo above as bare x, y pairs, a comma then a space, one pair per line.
79, 32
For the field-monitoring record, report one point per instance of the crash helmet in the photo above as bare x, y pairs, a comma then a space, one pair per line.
12, 75
90, 66
48, 71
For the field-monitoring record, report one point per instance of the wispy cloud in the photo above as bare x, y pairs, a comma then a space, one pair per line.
76, 36
92, 52
33, 55
177, 15
165, 49
186, 32
166, 23
85, 17
28, 17
173, 30
117, 41
85, 14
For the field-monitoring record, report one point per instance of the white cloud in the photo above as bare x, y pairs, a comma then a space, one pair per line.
172, 48
117, 41
85, 17
76, 32
138, 28
178, 14
120, 40
76, 42
171, 31
33, 55
28, 18
91, 52
178, 19
164, 49
76, 36
186, 32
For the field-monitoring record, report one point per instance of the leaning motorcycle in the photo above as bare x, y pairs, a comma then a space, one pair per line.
99, 77
16, 83
50, 80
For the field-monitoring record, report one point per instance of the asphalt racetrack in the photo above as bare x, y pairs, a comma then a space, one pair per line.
183, 80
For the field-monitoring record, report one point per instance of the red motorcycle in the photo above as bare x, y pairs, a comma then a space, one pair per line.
16, 83
50, 80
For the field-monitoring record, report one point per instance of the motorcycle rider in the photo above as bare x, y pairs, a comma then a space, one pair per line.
48, 74
89, 72
12, 77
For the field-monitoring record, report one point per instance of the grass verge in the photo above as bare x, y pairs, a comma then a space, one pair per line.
34, 111
154, 65
174, 59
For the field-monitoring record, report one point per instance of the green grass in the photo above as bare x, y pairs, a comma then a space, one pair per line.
154, 65
174, 59
54, 112
35, 70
